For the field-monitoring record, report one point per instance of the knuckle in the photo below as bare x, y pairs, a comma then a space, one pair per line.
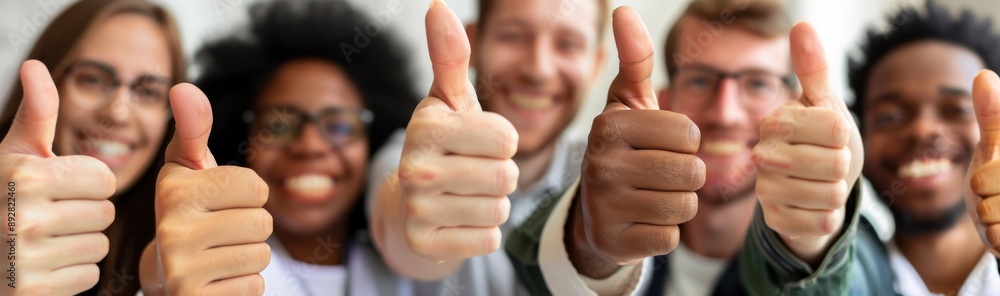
417, 209
255, 285
34, 228
841, 163
260, 256
98, 247
769, 124
689, 206
500, 210
261, 191
416, 177
828, 223
180, 282
839, 134
509, 140
265, 222
506, 177
762, 156
773, 220
978, 182
88, 279
993, 235
838, 195
592, 171
605, 128
178, 234
169, 190
420, 245
491, 242
106, 213
27, 179
693, 133
985, 210
427, 124
698, 171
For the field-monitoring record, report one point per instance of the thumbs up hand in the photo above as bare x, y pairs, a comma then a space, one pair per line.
58, 204
639, 172
210, 224
809, 156
456, 167
983, 194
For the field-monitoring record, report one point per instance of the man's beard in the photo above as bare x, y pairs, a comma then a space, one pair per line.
908, 223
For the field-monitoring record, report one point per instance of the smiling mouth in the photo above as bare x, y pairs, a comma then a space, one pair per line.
110, 148
312, 186
722, 147
532, 103
924, 167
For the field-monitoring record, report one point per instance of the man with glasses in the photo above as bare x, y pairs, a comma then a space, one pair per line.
729, 66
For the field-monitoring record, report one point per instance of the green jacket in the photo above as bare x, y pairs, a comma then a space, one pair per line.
766, 265
856, 264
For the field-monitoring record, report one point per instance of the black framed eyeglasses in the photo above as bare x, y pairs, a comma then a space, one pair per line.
698, 85
92, 84
279, 125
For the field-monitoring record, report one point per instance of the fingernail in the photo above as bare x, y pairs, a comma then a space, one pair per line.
438, 2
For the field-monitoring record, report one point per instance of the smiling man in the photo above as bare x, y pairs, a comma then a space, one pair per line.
439, 193
915, 101
730, 66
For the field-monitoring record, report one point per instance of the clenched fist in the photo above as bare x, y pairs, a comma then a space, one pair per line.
639, 172
59, 203
210, 224
456, 167
809, 156
983, 194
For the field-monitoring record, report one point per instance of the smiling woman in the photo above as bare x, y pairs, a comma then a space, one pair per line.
306, 115
93, 49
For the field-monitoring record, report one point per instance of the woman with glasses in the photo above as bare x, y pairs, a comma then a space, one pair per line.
305, 115
112, 62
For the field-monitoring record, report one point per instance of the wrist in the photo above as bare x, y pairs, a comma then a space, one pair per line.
583, 256
811, 249
150, 277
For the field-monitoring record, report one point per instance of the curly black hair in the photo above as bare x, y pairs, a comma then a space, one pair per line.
908, 26
236, 69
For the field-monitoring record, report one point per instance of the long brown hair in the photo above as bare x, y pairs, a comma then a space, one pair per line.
134, 224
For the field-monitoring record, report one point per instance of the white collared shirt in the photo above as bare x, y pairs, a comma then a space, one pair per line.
983, 280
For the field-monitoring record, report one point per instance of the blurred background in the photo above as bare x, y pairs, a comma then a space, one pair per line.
839, 22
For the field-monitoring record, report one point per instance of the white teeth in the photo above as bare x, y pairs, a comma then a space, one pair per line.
923, 168
532, 103
310, 185
722, 147
110, 148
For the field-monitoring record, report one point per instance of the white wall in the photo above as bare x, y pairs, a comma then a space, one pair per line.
840, 23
